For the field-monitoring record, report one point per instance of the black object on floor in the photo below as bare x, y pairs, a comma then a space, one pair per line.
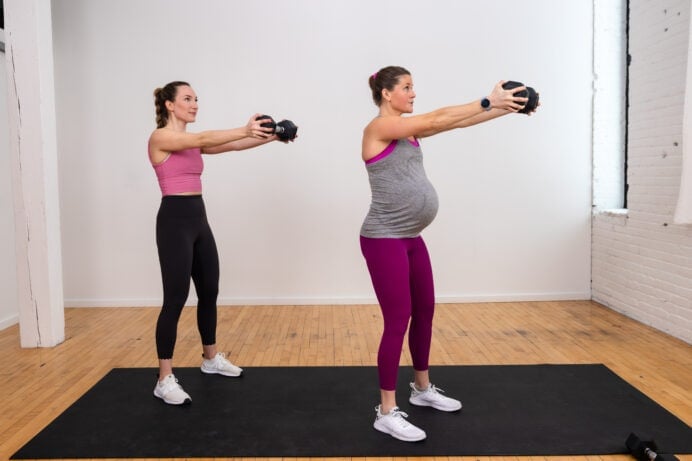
511, 410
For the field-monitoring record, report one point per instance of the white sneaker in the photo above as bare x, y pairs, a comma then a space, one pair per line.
431, 397
171, 392
394, 423
221, 366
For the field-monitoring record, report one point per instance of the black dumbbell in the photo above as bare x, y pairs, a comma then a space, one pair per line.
285, 130
530, 93
645, 450
269, 122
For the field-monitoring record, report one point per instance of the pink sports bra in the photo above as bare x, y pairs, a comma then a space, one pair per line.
181, 172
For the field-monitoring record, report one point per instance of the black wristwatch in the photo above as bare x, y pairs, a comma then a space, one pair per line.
485, 104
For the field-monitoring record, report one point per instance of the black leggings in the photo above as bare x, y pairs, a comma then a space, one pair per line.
186, 249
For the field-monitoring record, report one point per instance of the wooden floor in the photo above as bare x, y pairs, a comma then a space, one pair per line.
38, 384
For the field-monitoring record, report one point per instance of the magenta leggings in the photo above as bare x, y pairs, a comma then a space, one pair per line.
402, 277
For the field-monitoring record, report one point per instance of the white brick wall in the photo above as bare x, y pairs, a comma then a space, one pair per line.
642, 262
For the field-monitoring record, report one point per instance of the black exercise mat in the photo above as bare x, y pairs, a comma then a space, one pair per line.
328, 411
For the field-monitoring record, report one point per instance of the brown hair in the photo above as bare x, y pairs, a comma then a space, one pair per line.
385, 79
161, 95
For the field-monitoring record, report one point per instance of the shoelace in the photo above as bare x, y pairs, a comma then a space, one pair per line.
432, 390
171, 383
216, 360
222, 361
435, 390
400, 416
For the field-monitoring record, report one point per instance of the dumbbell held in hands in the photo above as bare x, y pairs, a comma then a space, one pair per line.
285, 130
529, 92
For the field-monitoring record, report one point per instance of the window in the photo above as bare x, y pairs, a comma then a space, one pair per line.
2, 28
610, 65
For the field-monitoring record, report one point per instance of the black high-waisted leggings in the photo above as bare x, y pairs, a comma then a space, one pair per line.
186, 249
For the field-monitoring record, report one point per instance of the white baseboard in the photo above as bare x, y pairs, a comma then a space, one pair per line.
9, 321
308, 301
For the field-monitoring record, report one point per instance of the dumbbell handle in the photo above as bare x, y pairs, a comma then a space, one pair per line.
653, 456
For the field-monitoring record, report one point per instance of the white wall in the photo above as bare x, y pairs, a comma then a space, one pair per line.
642, 262
9, 309
514, 221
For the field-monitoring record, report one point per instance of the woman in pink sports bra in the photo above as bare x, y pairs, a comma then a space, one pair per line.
184, 240
404, 203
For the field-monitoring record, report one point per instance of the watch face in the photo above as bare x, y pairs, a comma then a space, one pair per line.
485, 103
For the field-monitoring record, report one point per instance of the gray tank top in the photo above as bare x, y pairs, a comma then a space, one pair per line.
404, 201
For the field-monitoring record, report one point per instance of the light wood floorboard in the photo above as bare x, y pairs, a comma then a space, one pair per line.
36, 385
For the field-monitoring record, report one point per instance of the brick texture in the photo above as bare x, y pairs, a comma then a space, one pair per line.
642, 262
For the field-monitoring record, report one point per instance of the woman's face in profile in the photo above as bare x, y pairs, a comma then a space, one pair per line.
185, 106
402, 95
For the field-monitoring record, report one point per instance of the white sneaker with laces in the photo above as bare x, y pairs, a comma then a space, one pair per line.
432, 397
221, 366
171, 392
394, 423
